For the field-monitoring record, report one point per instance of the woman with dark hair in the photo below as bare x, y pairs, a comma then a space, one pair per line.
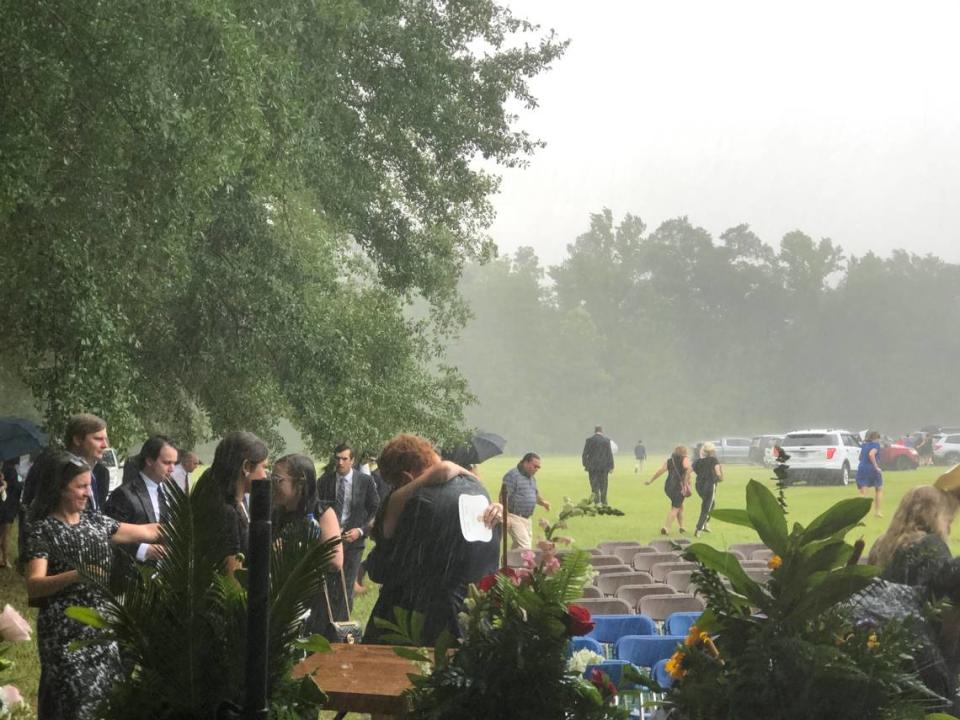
295, 503
62, 537
677, 486
9, 504
240, 458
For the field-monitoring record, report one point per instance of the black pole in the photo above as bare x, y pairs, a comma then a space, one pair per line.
258, 586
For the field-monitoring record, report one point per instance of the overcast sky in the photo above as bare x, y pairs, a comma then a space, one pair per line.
841, 119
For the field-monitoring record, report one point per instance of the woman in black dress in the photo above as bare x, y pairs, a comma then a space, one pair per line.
709, 472
240, 458
63, 536
676, 487
295, 503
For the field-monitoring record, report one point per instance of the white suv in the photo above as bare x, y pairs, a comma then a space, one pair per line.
946, 449
822, 457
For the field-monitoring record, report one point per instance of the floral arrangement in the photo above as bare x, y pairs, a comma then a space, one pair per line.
511, 661
13, 629
792, 648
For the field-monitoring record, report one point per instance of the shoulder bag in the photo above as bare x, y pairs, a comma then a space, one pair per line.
342, 631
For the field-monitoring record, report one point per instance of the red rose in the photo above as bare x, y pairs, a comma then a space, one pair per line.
600, 681
487, 582
578, 620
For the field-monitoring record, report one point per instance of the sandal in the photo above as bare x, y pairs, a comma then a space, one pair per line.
682, 531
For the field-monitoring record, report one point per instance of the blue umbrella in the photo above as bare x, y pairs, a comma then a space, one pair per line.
19, 436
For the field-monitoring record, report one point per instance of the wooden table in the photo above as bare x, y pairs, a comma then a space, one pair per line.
360, 678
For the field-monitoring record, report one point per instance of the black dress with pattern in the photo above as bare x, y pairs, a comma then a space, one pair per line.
72, 683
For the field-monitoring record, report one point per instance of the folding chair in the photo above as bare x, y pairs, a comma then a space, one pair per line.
660, 607
759, 575
626, 552
646, 651
746, 549
679, 623
646, 561
764, 554
608, 546
660, 570
754, 564
661, 675
613, 669
609, 582
601, 560
610, 569
632, 594
591, 591
606, 606
607, 629
665, 545
679, 580
584, 643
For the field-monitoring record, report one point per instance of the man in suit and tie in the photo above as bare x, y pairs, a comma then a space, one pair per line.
598, 462
355, 502
143, 499
86, 437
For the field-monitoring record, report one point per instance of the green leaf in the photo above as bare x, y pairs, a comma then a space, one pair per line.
843, 516
728, 565
310, 693
732, 516
833, 588
313, 644
767, 517
441, 650
410, 653
87, 616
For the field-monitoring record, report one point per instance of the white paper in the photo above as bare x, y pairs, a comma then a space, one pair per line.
471, 518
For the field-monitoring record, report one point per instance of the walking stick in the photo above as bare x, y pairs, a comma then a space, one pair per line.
503, 525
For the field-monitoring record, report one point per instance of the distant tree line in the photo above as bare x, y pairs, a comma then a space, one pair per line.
673, 336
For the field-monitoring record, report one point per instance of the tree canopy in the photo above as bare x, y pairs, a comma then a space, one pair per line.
213, 214
672, 336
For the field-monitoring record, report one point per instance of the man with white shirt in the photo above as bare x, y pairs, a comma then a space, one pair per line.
181, 472
144, 499
355, 500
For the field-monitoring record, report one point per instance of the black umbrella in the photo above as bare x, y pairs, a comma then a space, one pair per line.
480, 447
19, 437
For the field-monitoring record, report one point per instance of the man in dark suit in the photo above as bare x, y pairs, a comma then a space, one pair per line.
355, 499
143, 499
598, 462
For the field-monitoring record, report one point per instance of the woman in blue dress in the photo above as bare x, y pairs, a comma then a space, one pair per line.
868, 471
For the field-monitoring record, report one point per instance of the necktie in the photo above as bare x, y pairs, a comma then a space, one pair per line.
164, 507
341, 492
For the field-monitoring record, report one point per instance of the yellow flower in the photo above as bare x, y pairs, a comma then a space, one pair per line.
692, 636
774, 562
872, 642
674, 666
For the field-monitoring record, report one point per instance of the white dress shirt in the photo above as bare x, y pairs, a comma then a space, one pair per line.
153, 490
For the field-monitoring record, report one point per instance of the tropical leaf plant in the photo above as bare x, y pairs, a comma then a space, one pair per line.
181, 627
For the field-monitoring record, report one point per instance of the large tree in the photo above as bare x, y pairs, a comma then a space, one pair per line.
214, 212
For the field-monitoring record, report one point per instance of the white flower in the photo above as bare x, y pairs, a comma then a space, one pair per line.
9, 695
12, 625
579, 661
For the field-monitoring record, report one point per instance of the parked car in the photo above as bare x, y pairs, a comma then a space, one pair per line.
946, 449
112, 462
895, 456
729, 449
761, 449
821, 457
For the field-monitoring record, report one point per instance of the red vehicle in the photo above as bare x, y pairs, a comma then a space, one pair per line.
898, 457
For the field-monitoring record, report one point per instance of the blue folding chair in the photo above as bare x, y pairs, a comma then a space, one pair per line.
661, 675
645, 651
679, 623
584, 643
614, 670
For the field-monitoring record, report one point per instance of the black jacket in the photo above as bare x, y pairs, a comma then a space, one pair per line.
130, 503
363, 505
597, 454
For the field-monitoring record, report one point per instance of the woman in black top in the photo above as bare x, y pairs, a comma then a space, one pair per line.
240, 458
709, 472
676, 487
9, 505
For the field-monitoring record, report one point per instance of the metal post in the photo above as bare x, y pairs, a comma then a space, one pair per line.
258, 586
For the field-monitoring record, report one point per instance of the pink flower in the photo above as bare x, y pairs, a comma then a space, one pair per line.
551, 565
544, 525
521, 575
12, 625
529, 559
564, 540
9, 695
547, 546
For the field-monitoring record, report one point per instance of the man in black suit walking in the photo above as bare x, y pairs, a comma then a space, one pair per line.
144, 499
355, 502
598, 462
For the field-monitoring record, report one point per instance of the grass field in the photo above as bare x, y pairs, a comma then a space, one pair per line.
562, 476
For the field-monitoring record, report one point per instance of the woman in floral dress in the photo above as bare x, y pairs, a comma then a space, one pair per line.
63, 535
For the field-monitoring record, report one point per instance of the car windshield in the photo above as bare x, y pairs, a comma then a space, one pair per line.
810, 439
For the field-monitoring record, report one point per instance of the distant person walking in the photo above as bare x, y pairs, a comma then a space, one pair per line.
925, 449
709, 472
9, 504
597, 460
677, 486
522, 499
869, 474
639, 455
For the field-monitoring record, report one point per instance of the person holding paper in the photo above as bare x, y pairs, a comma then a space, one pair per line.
436, 534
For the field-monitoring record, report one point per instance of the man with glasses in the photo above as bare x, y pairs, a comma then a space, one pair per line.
522, 499
355, 500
